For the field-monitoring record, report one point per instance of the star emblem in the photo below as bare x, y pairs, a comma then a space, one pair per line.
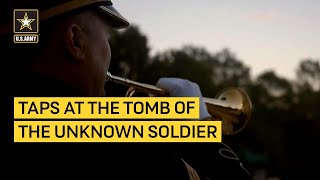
25, 22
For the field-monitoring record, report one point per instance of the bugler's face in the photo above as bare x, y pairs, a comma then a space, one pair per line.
99, 53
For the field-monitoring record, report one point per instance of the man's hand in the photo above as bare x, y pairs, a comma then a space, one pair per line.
184, 88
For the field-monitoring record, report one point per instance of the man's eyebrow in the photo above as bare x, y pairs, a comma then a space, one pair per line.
108, 29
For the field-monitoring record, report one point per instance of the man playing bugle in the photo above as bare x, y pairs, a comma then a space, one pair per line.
71, 60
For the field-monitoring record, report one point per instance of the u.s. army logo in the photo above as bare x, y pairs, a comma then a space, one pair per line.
26, 25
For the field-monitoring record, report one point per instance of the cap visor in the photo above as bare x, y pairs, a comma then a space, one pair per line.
117, 20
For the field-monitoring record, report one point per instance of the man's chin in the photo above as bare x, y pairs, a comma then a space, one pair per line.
102, 93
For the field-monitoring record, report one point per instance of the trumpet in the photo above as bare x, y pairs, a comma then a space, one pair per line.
232, 106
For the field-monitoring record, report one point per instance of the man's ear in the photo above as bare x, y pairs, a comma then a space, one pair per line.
75, 41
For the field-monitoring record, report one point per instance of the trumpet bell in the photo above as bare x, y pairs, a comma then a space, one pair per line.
233, 107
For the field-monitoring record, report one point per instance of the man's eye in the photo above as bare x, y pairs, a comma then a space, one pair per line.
108, 36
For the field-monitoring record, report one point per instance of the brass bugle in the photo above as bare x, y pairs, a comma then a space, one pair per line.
232, 106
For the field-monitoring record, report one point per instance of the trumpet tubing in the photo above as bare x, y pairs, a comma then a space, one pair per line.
232, 106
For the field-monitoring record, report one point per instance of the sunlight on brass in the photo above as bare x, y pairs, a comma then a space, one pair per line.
232, 106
